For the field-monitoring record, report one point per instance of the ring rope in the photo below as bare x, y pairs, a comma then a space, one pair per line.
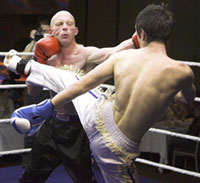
192, 63
10, 86
6, 86
18, 53
160, 165
184, 136
140, 160
4, 121
156, 130
197, 99
32, 53
18, 151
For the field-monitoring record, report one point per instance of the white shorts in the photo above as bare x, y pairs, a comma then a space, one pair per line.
113, 151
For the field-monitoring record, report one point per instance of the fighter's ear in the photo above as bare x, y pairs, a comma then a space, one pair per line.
50, 31
76, 31
143, 35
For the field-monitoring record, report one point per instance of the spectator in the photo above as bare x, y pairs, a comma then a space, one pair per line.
35, 35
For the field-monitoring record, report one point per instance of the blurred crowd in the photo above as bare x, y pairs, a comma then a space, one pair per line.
180, 115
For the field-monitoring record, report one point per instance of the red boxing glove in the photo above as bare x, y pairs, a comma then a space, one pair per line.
135, 40
45, 48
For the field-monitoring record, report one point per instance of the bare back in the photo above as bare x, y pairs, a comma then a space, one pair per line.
146, 82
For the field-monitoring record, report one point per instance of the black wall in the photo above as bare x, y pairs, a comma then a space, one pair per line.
104, 22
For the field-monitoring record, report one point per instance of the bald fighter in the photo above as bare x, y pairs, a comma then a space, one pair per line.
62, 139
146, 82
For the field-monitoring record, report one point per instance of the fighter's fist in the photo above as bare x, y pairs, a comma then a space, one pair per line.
27, 120
45, 48
135, 40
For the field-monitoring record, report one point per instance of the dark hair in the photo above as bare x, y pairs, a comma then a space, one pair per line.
156, 21
44, 21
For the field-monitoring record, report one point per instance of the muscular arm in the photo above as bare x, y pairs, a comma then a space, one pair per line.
100, 55
95, 77
29, 48
188, 93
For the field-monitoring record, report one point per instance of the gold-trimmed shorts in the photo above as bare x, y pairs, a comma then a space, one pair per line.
114, 152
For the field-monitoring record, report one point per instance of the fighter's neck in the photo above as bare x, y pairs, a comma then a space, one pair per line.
71, 49
156, 46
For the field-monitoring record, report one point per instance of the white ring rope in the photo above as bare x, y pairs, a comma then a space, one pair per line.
197, 99
4, 121
6, 86
156, 130
192, 63
18, 151
140, 160
179, 170
32, 53
18, 53
184, 136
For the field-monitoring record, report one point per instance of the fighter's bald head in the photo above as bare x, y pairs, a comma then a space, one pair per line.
60, 14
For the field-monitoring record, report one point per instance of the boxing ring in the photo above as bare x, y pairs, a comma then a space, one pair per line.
139, 160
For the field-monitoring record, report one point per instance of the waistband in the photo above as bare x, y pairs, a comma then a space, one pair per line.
68, 118
114, 132
117, 135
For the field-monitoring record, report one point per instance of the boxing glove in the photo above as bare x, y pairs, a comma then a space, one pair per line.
135, 40
45, 48
28, 120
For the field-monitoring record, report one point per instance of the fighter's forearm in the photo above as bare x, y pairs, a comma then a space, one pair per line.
86, 83
104, 53
186, 95
67, 95
189, 94
29, 48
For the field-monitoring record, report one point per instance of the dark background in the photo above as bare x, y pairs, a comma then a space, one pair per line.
101, 23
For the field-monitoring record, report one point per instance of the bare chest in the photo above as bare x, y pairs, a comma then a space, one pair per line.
77, 60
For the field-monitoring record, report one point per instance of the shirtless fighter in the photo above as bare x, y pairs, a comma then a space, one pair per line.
62, 139
116, 123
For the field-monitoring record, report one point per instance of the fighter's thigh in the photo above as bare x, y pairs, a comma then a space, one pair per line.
113, 168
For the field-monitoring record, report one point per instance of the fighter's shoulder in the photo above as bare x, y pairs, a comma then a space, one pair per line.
183, 66
90, 49
129, 52
86, 50
184, 69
